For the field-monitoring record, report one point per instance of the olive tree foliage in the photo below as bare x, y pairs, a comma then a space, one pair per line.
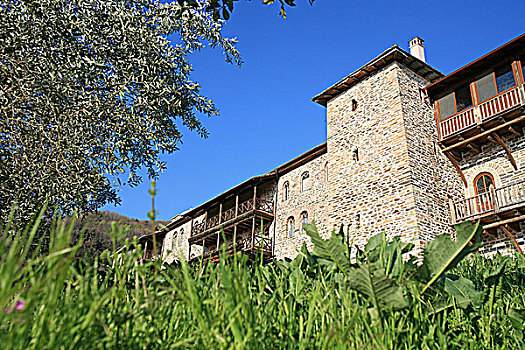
223, 8
91, 91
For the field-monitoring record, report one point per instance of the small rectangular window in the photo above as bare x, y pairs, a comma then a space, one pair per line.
446, 106
486, 87
463, 98
504, 78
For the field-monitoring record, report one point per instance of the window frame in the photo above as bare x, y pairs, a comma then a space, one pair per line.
305, 177
493, 73
478, 177
290, 227
286, 190
181, 232
303, 216
520, 65
455, 104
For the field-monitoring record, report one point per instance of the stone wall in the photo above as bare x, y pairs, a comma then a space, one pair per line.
314, 200
387, 173
174, 248
370, 180
433, 177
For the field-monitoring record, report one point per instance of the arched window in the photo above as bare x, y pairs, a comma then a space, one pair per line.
482, 184
286, 191
305, 181
304, 220
291, 226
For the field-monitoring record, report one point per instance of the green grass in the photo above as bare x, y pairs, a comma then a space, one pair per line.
116, 303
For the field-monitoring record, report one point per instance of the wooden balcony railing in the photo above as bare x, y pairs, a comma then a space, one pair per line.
500, 103
229, 214
458, 122
490, 202
260, 243
482, 112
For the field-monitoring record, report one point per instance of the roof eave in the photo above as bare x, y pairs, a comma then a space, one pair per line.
394, 53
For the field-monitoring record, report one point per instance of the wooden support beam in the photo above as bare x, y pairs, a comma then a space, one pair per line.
456, 165
220, 213
473, 147
508, 221
515, 131
456, 155
254, 197
512, 238
485, 133
489, 234
236, 205
497, 139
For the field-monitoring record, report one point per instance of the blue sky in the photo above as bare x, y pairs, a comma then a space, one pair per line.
267, 116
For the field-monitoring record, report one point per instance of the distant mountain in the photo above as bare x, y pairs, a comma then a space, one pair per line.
96, 227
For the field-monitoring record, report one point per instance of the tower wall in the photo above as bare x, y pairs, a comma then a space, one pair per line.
385, 174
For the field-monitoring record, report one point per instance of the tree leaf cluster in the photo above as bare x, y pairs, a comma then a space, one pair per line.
222, 9
92, 91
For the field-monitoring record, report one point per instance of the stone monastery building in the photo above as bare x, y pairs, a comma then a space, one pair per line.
409, 151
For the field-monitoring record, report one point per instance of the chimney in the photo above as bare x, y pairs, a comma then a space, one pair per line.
417, 49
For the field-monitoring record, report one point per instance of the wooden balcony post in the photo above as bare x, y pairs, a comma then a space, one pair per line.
220, 213
494, 199
253, 231
236, 205
218, 239
521, 91
235, 234
452, 210
254, 196
475, 102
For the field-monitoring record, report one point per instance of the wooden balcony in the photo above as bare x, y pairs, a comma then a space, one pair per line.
235, 215
261, 246
497, 207
245, 226
495, 114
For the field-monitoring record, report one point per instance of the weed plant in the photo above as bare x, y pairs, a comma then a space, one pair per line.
320, 300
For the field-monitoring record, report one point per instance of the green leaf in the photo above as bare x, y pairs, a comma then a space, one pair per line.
225, 14
463, 290
517, 318
442, 254
375, 285
332, 249
496, 272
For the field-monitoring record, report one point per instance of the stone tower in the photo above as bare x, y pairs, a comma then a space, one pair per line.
386, 172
